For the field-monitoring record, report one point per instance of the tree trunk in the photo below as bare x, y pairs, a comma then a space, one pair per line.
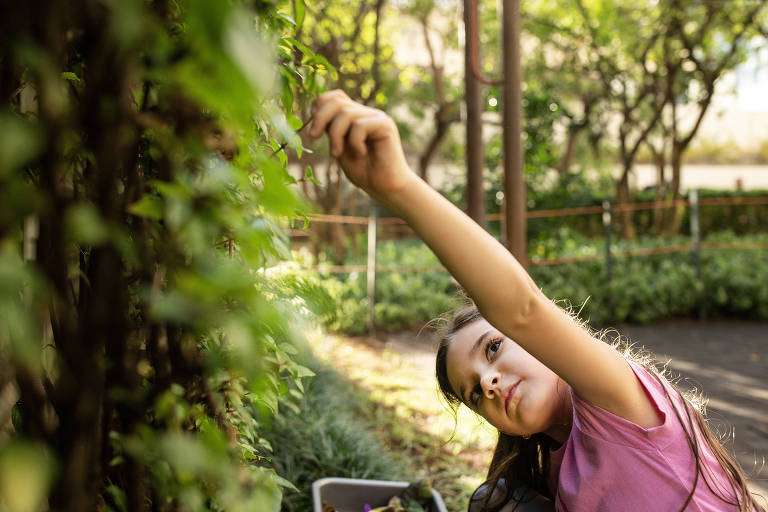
622, 197
570, 147
661, 190
673, 220
429, 152
446, 110
512, 114
474, 129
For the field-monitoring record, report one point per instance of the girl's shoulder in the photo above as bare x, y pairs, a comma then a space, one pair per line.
599, 423
612, 450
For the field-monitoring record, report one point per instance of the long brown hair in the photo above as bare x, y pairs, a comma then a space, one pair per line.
525, 461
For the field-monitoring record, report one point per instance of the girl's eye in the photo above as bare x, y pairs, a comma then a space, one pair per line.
492, 349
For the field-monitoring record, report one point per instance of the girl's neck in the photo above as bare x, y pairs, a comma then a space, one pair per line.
561, 426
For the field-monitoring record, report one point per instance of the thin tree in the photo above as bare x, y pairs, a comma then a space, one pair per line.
710, 41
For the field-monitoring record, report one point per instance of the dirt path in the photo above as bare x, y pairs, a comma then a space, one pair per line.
728, 360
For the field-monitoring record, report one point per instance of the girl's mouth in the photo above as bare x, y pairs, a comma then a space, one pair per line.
510, 393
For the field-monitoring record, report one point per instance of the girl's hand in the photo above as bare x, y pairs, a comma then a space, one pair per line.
365, 141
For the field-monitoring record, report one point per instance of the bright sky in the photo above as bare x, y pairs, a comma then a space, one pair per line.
750, 81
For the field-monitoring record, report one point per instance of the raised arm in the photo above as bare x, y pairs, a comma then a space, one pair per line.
368, 147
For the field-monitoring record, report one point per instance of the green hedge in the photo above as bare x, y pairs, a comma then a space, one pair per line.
576, 191
402, 300
642, 289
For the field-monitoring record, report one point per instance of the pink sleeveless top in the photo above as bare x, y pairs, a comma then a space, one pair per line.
610, 464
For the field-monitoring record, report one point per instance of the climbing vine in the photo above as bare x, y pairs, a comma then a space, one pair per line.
144, 195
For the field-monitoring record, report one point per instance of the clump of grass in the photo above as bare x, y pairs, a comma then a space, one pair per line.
328, 435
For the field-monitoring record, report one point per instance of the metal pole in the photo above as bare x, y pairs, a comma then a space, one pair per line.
474, 124
371, 269
608, 263
512, 101
696, 238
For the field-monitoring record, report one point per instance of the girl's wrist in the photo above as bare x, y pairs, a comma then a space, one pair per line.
403, 199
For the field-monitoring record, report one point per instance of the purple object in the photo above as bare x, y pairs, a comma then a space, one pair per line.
366, 508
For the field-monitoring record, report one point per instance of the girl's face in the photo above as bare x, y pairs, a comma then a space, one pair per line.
499, 380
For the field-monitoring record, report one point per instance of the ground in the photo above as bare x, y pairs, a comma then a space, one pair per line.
728, 360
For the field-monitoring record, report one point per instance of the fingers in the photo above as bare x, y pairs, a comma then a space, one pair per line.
344, 119
324, 108
339, 126
357, 135
373, 126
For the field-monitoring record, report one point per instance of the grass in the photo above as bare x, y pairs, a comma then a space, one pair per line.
328, 436
409, 418
373, 412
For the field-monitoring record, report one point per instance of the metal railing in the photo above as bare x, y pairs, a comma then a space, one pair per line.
695, 246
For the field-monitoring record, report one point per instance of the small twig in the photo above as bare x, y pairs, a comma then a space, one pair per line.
284, 144
18, 90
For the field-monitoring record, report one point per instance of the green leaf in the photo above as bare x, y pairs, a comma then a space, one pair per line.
20, 142
68, 75
118, 497
185, 453
310, 176
306, 50
319, 59
26, 475
149, 206
287, 18
250, 51
84, 225
282, 482
293, 121
289, 75
303, 371
267, 493
270, 400
299, 9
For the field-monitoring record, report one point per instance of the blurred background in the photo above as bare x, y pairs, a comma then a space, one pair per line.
199, 312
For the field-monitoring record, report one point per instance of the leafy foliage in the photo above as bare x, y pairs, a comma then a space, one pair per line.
402, 300
325, 435
143, 194
642, 289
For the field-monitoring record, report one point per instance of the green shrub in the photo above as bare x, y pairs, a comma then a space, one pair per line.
327, 435
576, 191
143, 182
642, 289
403, 300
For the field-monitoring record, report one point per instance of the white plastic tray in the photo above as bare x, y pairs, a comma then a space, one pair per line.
352, 494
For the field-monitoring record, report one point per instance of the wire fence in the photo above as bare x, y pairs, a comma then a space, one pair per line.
606, 209
695, 246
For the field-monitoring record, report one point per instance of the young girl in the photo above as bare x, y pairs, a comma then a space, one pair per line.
578, 421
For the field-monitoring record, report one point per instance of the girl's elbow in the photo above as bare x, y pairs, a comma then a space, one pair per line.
519, 313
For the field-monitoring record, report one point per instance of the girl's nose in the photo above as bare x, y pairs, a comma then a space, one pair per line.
490, 384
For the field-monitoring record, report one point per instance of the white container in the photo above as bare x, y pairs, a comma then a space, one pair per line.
352, 494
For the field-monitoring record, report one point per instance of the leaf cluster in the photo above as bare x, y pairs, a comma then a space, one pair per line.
143, 199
